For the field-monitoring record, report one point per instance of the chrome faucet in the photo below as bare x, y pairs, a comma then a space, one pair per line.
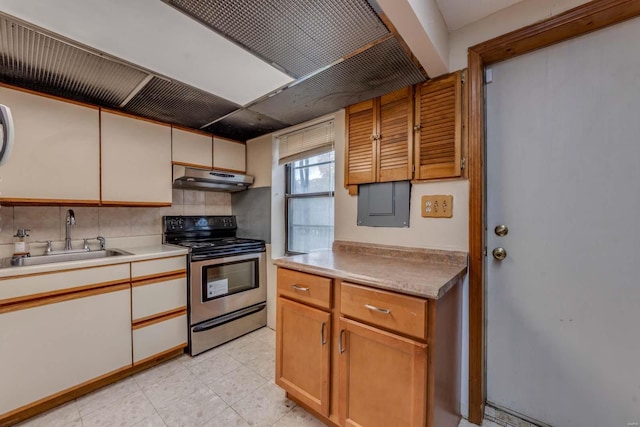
71, 220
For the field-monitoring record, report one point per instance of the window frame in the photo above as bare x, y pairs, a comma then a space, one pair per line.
288, 196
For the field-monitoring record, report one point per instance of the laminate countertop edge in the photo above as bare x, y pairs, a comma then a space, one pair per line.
412, 277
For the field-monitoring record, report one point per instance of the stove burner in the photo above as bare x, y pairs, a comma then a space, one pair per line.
208, 236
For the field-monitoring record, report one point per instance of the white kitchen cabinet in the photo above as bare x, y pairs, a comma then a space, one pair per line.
136, 161
191, 148
56, 154
159, 307
55, 344
229, 155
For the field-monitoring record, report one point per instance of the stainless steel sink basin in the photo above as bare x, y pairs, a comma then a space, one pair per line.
62, 257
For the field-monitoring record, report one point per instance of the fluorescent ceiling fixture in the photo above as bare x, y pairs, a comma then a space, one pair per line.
155, 36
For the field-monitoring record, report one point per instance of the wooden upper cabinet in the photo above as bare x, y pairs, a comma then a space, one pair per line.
379, 139
395, 136
136, 161
190, 148
229, 155
438, 115
56, 154
361, 147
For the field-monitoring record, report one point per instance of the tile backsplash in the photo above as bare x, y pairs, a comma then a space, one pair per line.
48, 222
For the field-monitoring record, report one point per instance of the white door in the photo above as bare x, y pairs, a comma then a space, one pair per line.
563, 174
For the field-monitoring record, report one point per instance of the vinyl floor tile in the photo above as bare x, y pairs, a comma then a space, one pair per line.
229, 386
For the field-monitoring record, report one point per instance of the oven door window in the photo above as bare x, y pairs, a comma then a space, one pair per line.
227, 279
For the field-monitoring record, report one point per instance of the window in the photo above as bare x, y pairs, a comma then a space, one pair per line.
309, 203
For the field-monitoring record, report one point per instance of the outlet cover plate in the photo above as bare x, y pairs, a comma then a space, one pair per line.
437, 206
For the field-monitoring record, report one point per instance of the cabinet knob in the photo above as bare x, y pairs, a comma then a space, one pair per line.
417, 128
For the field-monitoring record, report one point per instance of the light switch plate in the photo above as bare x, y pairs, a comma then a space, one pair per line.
437, 206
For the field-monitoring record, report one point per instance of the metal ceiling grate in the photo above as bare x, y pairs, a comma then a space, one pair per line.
244, 124
179, 104
37, 61
379, 70
300, 36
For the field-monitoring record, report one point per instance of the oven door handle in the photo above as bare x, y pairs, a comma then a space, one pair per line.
229, 317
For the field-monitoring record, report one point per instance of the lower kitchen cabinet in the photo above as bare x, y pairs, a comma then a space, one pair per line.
54, 344
159, 307
158, 336
382, 378
302, 353
356, 355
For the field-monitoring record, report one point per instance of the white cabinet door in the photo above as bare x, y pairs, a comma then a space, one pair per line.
55, 346
229, 155
191, 149
56, 155
136, 161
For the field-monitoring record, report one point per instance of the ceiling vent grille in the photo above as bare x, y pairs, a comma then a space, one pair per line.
299, 36
31, 59
245, 124
345, 83
176, 103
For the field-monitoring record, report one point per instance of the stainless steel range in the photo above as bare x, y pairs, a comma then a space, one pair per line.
227, 279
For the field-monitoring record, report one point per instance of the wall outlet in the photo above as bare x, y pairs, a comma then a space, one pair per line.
437, 206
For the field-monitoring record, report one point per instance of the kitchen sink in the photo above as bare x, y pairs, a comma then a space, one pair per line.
61, 257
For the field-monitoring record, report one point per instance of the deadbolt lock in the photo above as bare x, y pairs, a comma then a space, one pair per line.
501, 230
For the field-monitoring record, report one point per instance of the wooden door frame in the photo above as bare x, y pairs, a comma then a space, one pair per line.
583, 19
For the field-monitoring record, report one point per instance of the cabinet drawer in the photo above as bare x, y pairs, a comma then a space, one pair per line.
156, 267
157, 337
395, 312
21, 288
303, 287
149, 299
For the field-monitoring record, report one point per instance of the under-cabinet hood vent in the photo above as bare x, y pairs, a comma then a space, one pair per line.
209, 179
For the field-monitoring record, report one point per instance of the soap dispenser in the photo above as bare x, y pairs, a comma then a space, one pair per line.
20, 245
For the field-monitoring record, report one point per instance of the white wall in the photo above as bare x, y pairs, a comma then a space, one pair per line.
439, 233
503, 21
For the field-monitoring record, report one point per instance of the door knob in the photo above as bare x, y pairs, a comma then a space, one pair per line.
501, 230
499, 253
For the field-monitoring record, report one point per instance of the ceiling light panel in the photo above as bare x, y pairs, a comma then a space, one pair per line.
245, 124
381, 69
300, 36
179, 104
42, 63
156, 37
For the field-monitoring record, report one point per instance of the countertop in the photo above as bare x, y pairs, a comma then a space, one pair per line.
139, 253
421, 272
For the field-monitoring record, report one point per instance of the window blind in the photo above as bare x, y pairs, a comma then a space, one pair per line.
307, 142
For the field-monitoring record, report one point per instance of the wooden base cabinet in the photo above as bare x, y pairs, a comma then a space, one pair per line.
355, 355
383, 378
302, 353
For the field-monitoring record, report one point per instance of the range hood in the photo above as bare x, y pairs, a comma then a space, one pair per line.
209, 179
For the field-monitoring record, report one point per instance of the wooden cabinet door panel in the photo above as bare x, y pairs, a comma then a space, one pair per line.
361, 153
395, 136
302, 355
383, 378
438, 144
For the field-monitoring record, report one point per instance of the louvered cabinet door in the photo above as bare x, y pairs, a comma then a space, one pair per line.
361, 153
395, 136
439, 119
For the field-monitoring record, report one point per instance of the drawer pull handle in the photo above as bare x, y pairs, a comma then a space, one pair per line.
300, 288
322, 340
378, 309
340, 347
